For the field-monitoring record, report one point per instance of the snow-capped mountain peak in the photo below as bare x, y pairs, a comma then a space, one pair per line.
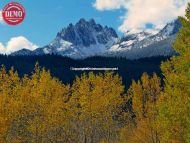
87, 38
160, 44
129, 40
171, 28
86, 33
81, 40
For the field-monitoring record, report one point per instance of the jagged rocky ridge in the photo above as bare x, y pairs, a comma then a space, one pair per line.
87, 38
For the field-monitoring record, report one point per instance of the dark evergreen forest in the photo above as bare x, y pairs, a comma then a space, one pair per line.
60, 66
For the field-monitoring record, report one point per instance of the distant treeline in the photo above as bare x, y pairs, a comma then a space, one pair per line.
60, 66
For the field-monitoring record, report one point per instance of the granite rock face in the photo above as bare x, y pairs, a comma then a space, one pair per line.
87, 38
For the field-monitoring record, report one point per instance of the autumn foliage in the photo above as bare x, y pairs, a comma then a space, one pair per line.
96, 107
39, 108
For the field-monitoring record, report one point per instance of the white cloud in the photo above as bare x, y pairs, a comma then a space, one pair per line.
1, 18
2, 48
108, 4
141, 12
15, 44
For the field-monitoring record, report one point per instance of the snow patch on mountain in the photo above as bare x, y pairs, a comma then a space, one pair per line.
84, 39
159, 44
87, 38
127, 42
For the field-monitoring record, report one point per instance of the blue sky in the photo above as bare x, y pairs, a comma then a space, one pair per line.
44, 18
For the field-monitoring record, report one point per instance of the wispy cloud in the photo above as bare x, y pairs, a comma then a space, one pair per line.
15, 44
108, 4
1, 18
141, 12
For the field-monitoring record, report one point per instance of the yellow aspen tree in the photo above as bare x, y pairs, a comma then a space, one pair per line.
145, 94
175, 105
98, 98
35, 108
